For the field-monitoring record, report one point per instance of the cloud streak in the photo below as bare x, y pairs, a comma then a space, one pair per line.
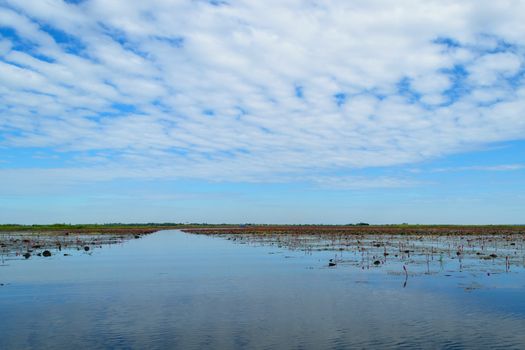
249, 91
501, 167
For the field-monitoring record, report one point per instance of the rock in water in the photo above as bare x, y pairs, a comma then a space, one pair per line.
46, 253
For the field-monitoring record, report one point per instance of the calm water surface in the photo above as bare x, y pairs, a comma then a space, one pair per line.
175, 290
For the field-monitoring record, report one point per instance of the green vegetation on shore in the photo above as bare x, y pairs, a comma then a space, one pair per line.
99, 227
111, 227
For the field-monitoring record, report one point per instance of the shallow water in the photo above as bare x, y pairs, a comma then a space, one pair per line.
177, 290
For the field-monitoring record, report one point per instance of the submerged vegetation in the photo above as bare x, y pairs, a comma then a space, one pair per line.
29, 244
448, 251
361, 245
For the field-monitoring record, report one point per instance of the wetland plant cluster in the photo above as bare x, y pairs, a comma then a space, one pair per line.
23, 245
433, 250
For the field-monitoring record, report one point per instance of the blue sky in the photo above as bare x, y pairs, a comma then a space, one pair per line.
268, 112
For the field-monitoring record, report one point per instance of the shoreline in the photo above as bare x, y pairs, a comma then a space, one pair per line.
313, 230
387, 230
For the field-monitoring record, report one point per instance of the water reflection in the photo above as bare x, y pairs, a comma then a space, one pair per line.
175, 290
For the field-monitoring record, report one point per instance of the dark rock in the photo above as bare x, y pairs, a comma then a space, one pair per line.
27, 255
46, 253
86, 248
137, 236
493, 255
331, 263
377, 262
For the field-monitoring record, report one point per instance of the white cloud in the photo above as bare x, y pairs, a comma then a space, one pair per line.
500, 167
430, 83
361, 182
488, 68
248, 90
